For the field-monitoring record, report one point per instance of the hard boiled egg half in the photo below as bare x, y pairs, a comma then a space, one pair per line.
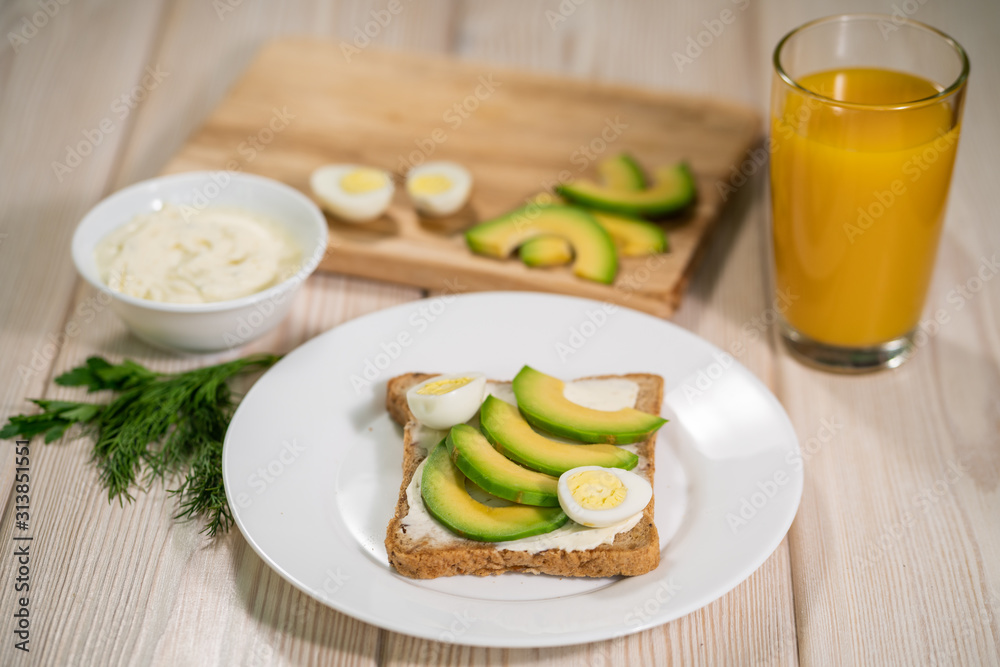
596, 497
351, 192
446, 400
439, 188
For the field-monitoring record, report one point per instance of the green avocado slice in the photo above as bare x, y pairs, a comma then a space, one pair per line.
541, 401
672, 191
513, 437
633, 237
495, 473
622, 172
594, 251
442, 487
546, 251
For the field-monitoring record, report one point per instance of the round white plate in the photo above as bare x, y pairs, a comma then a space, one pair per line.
312, 467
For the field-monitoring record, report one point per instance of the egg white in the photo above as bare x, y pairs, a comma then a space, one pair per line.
441, 203
639, 493
445, 410
349, 206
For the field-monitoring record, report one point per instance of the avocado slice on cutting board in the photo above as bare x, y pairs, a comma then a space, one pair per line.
633, 237
442, 487
494, 473
595, 257
546, 251
673, 190
622, 172
503, 425
541, 401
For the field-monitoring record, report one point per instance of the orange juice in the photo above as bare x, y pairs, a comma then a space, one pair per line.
858, 196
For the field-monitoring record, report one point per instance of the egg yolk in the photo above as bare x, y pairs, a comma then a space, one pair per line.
443, 386
360, 181
430, 184
597, 489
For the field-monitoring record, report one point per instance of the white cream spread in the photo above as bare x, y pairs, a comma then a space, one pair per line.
426, 437
214, 254
610, 394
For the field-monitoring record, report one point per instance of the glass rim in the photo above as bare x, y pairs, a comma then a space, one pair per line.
955, 86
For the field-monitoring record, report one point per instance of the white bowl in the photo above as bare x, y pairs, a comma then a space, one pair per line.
220, 325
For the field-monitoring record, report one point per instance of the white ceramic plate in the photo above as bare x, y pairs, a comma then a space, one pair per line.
312, 467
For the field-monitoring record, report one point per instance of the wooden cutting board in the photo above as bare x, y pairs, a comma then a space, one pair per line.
305, 103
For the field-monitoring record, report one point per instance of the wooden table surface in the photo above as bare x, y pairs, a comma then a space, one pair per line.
894, 557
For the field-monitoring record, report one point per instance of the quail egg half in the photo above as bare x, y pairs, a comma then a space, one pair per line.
445, 400
596, 497
439, 188
351, 192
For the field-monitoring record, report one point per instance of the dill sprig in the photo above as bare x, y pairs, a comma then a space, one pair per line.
158, 426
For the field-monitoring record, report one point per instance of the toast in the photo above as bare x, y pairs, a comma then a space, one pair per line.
633, 552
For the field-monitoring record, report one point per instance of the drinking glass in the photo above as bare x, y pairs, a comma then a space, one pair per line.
865, 118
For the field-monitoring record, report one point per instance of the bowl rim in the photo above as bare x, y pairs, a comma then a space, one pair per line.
276, 292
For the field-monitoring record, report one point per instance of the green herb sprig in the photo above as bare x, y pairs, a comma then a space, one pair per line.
158, 426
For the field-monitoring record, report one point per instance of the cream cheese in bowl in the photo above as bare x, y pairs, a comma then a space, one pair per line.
213, 254
201, 261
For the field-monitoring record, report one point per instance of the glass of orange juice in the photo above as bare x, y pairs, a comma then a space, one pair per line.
865, 117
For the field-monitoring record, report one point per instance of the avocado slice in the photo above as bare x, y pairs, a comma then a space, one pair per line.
442, 487
513, 437
595, 255
633, 237
494, 473
622, 172
541, 400
672, 191
546, 251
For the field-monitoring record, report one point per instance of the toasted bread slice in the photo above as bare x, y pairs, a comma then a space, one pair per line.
635, 551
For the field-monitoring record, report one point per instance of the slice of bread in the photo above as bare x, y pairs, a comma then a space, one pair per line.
635, 551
